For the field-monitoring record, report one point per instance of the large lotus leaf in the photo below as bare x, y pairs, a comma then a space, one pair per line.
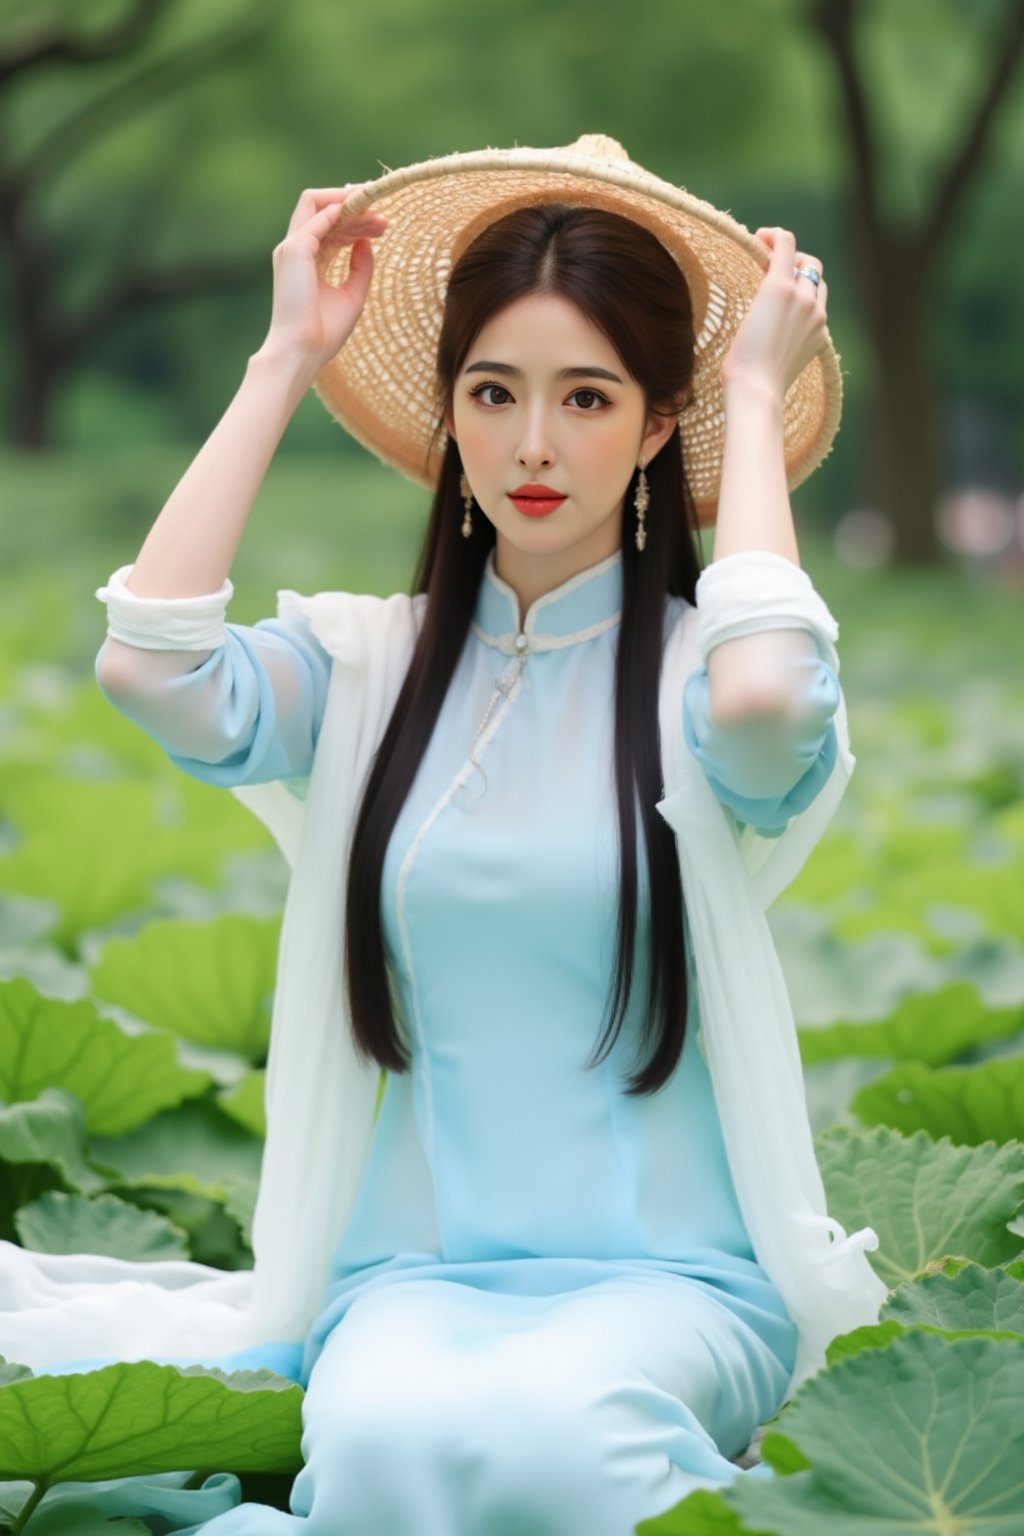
50, 1130
970, 1105
208, 982
96, 847
211, 1228
925, 1199
92, 847
195, 1148
240, 1204
935, 1028
121, 1080
246, 1102
921, 1438
130, 1418
971, 1300
61, 1223
974, 1297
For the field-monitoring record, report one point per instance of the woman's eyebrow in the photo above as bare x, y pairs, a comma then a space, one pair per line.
563, 373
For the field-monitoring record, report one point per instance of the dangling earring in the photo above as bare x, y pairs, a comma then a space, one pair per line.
641, 502
467, 496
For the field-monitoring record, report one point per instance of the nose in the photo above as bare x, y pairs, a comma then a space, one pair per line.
535, 447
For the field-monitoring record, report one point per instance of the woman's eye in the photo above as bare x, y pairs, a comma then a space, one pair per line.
480, 389
591, 395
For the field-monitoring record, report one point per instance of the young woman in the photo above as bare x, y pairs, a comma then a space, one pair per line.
546, 1311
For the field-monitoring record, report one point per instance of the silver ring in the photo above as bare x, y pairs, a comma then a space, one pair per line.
811, 272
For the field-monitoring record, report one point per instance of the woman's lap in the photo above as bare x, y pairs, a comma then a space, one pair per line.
435, 1406
612, 1401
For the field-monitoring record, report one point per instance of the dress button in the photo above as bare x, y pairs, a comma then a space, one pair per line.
522, 642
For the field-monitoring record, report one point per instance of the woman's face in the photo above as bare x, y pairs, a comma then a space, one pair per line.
519, 419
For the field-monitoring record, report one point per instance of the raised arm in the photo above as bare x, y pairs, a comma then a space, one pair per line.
234, 704
759, 713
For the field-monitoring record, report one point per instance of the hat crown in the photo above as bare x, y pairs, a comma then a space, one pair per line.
598, 146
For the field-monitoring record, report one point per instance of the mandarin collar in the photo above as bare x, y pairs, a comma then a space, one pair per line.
583, 606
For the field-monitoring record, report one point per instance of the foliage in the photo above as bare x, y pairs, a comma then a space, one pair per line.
139, 916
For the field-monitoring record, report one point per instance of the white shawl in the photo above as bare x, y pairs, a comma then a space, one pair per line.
320, 1100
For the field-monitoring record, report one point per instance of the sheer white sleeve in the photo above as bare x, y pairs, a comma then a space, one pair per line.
229, 703
771, 744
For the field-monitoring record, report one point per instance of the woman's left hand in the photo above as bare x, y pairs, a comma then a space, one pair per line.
785, 326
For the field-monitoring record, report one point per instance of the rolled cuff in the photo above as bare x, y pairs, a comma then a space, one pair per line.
755, 590
164, 623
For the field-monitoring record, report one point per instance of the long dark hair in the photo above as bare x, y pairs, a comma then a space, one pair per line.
626, 283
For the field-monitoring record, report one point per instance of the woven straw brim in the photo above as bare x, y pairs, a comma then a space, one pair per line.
381, 384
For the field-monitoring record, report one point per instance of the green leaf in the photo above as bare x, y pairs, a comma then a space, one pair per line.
839, 866
195, 1148
994, 893
245, 1102
926, 1200
933, 1027
973, 1298
120, 1079
702, 1513
922, 1437
131, 1418
93, 847
63, 1223
49, 1130
970, 1105
97, 846
871, 1336
211, 982
195, 1143
971, 1301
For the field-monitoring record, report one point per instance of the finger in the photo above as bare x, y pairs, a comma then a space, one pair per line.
805, 259
326, 216
315, 198
783, 249
323, 226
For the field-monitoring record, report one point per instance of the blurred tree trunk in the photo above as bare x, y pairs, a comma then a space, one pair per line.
45, 346
897, 264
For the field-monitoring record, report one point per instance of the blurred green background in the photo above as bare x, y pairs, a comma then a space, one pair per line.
151, 153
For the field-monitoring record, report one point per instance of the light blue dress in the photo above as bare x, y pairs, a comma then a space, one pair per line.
545, 1314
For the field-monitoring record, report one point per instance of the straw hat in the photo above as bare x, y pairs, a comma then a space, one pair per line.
380, 385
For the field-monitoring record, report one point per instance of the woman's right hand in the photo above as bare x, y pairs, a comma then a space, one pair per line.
310, 319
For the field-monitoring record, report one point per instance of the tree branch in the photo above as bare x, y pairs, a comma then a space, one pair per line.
835, 22
47, 45
964, 163
159, 77
145, 290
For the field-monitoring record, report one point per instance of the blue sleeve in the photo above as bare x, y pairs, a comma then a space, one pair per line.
249, 713
765, 769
